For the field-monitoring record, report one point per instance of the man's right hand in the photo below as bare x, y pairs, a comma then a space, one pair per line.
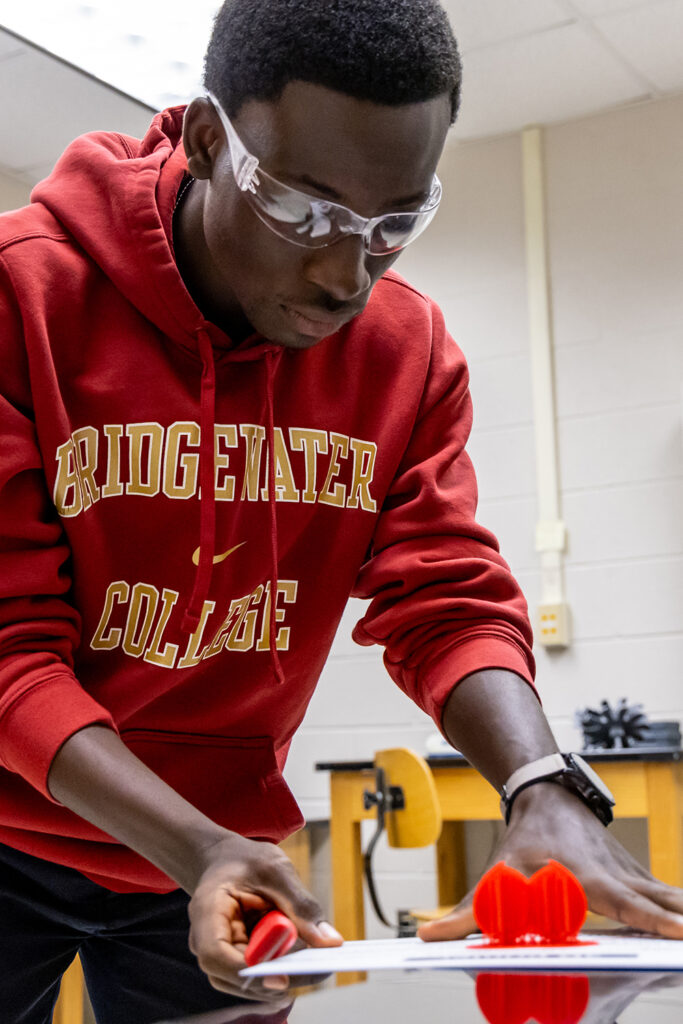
233, 881
242, 881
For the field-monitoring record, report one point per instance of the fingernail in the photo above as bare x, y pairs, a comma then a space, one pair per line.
276, 982
328, 932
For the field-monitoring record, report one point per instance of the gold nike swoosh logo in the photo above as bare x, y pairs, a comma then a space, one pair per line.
216, 558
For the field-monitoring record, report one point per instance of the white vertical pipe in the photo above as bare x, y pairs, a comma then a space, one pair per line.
550, 530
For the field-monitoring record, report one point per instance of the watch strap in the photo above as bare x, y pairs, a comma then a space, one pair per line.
535, 771
570, 771
540, 769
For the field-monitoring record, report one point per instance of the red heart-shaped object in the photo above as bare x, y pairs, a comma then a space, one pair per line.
557, 904
501, 904
549, 907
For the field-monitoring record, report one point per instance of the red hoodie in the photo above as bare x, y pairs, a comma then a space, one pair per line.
135, 434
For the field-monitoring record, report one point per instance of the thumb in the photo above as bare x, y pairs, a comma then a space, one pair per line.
455, 925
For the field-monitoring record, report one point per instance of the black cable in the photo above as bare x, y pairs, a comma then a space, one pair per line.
379, 801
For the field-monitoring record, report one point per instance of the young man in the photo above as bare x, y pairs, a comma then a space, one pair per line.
223, 414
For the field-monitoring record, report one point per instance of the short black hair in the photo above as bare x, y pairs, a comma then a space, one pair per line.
387, 51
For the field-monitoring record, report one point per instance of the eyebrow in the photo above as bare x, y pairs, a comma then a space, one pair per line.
306, 179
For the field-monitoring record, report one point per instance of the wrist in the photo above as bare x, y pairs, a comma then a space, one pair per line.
539, 796
570, 772
547, 800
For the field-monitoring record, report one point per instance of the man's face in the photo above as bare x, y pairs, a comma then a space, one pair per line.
371, 158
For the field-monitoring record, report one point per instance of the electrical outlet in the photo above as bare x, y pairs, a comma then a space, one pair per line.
553, 627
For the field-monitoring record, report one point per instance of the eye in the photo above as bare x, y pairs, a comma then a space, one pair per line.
289, 209
395, 229
317, 226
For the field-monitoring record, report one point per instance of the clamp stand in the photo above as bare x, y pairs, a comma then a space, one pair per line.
407, 805
385, 798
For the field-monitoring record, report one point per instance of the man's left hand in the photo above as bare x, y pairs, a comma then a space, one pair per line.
549, 823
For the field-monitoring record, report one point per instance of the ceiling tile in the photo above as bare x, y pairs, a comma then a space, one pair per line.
491, 21
157, 60
651, 40
548, 77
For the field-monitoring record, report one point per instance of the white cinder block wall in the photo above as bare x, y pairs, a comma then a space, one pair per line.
615, 222
13, 193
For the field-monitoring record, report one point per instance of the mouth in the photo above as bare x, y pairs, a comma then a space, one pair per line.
311, 324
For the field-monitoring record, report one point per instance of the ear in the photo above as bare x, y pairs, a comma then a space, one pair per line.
203, 137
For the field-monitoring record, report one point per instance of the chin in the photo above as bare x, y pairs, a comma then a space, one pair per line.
300, 341
286, 335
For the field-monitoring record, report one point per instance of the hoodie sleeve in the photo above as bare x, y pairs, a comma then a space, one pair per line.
444, 602
41, 702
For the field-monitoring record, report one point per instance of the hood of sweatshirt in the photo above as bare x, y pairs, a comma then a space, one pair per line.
116, 195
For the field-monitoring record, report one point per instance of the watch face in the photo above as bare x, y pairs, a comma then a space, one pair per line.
592, 777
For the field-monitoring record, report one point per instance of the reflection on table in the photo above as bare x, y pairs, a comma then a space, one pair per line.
454, 997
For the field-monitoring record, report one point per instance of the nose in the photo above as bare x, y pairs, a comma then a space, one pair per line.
340, 269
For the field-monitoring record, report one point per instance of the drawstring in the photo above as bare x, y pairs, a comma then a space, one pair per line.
207, 500
270, 370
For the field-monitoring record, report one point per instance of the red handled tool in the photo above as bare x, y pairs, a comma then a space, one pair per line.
273, 936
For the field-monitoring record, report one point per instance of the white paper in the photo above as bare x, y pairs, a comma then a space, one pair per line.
606, 952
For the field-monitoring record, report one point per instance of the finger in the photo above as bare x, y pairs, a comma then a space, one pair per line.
307, 980
305, 912
300, 907
266, 1009
277, 879
635, 910
218, 937
276, 982
667, 896
322, 934
251, 990
456, 925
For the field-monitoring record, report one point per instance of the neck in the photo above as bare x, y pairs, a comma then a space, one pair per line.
197, 268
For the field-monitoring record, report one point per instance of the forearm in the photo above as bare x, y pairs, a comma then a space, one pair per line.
96, 776
495, 720
229, 877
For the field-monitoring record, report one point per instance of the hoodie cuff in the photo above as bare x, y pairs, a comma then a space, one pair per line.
442, 675
41, 720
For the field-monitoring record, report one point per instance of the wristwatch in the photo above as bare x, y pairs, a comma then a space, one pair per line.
568, 770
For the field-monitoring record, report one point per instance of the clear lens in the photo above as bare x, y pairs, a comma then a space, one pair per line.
395, 232
314, 223
287, 207
311, 222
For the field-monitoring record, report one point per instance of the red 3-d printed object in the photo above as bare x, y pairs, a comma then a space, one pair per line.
273, 936
547, 909
546, 998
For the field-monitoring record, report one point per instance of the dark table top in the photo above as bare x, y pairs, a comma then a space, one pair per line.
453, 997
455, 760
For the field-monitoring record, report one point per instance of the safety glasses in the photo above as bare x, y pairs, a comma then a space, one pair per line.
312, 222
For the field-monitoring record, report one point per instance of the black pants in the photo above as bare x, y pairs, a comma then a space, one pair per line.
133, 947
